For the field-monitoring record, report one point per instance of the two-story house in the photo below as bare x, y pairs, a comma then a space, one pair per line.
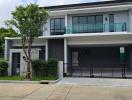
81, 35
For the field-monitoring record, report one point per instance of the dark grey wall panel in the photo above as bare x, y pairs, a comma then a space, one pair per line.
56, 49
100, 56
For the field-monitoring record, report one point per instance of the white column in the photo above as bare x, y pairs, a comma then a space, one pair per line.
66, 24
5, 51
60, 69
46, 50
130, 20
65, 55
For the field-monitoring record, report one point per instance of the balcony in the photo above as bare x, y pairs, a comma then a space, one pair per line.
96, 28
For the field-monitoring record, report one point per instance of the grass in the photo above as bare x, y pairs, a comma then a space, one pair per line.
1, 58
10, 78
18, 78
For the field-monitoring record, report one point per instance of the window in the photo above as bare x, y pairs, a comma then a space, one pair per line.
75, 24
111, 22
57, 26
87, 24
99, 23
91, 24
83, 23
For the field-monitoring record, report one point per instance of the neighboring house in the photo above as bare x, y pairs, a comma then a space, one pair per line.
81, 35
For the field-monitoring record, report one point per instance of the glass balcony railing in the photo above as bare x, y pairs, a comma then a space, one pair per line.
95, 28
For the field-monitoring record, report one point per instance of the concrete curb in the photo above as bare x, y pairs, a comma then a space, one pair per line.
31, 82
26, 82
49, 82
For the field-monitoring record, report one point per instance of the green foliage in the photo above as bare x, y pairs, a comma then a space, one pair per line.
38, 65
6, 32
44, 68
3, 67
52, 62
28, 20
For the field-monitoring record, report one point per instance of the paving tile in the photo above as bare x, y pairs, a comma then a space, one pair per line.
60, 93
43, 92
10, 98
63, 92
17, 90
99, 93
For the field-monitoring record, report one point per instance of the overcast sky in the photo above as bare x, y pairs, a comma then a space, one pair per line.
6, 6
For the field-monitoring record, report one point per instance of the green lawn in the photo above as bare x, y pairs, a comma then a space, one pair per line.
10, 78
34, 78
1, 58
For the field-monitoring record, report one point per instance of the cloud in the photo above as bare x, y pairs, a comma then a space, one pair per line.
6, 6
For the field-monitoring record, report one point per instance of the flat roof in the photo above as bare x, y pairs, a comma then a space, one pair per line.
89, 4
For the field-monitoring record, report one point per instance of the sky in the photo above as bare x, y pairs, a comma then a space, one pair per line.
6, 6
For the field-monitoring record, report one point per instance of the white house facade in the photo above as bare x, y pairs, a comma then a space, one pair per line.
90, 38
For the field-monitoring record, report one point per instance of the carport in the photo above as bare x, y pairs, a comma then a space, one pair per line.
98, 55
99, 61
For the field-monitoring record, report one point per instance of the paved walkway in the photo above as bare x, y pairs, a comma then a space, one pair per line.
97, 81
66, 91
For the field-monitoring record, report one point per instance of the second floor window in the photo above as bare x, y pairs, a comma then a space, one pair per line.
57, 26
87, 24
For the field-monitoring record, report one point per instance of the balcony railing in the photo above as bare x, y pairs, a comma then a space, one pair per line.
95, 28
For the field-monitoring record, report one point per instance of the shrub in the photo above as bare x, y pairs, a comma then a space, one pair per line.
3, 67
52, 66
38, 64
45, 68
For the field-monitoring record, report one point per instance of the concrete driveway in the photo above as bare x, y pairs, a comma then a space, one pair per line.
10, 91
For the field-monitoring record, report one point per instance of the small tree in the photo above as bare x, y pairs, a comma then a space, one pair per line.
29, 21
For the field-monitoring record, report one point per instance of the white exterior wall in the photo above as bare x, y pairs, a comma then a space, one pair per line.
100, 40
130, 20
37, 42
23, 65
119, 17
69, 21
46, 28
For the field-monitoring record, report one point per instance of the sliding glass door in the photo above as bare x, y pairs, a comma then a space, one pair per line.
87, 24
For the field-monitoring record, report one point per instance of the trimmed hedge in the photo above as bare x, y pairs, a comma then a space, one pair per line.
44, 68
3, 67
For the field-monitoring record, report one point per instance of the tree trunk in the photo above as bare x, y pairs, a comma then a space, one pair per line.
29, 63
29, 70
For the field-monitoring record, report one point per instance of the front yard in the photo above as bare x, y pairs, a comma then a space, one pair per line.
18, 78
42, 70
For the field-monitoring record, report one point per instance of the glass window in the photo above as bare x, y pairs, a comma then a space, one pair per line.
82, 24
99, 19
83, 20
99, 23
57, 26
75, 20
52, 24
91, 19
75, 24
62, 24
87, 24
91, 24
